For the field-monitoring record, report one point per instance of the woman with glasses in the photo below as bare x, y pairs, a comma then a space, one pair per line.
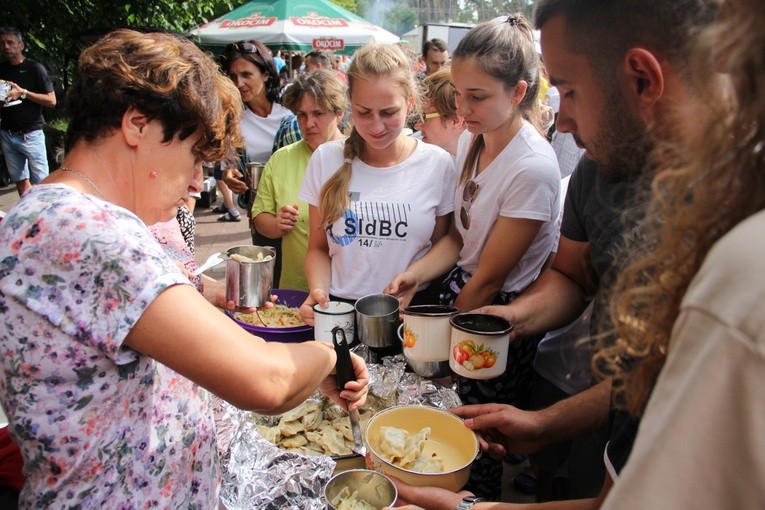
379, 198
319, 101
110, 356
506, 205
266, 125
439, 123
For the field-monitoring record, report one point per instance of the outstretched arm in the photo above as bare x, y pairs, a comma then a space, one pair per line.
559, 295
318, 269
181, 330
506, 428
440, 258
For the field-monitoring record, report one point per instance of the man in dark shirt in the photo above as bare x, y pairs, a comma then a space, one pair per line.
620, 69
21, 121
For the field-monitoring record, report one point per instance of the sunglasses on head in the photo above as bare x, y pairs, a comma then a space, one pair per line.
241, 47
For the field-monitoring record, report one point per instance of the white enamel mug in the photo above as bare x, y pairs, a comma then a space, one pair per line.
336, 314
479, 345
425, 335
427, 332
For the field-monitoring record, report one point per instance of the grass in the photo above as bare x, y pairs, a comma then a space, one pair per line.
59, 124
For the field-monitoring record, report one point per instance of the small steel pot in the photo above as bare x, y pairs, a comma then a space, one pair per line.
377, 320
373, 488
249, 283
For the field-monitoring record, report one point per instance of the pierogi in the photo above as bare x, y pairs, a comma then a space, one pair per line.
405, 450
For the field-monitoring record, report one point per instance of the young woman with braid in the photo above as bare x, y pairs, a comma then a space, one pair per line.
379, 199
506, 204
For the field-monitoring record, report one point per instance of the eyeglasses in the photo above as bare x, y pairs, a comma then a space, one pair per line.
468, 195
425, 116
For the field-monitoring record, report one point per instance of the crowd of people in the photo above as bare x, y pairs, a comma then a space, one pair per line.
637, 347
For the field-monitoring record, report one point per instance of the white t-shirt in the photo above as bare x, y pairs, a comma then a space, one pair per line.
701, 444
390, 219
567, 152
523, 181
259, 132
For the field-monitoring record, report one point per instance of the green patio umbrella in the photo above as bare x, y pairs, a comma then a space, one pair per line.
292, 25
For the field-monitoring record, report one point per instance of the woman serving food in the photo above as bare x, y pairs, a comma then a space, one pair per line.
108, 358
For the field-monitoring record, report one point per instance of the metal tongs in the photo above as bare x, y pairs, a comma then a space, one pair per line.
344, 373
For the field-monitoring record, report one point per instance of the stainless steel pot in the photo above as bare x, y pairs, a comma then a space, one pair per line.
249, 275
377, 320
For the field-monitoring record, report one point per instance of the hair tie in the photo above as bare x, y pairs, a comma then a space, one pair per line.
348, 160
513, 21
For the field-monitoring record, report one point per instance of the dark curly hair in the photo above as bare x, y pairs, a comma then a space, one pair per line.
163, 76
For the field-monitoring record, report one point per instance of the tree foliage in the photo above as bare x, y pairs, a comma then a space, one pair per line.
56, 31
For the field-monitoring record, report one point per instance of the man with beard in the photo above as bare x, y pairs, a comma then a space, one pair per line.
620, 68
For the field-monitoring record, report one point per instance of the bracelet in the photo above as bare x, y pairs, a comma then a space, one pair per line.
468, 502
24, 94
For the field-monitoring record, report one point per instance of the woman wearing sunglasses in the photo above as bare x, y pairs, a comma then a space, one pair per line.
506, 205
266, 125
439, 123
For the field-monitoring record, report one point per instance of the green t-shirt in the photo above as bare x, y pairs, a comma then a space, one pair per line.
279, 185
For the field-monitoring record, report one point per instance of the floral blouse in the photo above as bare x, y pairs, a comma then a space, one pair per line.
99, 425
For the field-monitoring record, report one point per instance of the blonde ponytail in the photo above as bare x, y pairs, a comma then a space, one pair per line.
334, 194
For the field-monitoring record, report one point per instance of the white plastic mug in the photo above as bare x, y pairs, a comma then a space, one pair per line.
336, 314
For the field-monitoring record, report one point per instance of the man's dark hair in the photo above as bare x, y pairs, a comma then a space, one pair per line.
325, 58
604, 30
434, 44
12, 31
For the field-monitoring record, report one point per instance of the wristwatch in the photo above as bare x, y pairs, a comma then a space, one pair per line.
468, 502
24, 94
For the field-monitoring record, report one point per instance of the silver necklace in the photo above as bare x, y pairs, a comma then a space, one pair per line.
87, 179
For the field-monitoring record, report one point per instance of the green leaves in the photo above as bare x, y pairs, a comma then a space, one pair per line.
53, 31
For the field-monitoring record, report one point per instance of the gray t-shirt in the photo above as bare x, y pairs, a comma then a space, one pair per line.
594, 212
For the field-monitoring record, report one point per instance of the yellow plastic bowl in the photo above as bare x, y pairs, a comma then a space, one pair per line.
454, 443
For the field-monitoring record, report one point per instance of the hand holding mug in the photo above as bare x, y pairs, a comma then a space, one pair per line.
316, 296
233, 179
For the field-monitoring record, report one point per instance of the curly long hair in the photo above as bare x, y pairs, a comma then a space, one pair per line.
707, 185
